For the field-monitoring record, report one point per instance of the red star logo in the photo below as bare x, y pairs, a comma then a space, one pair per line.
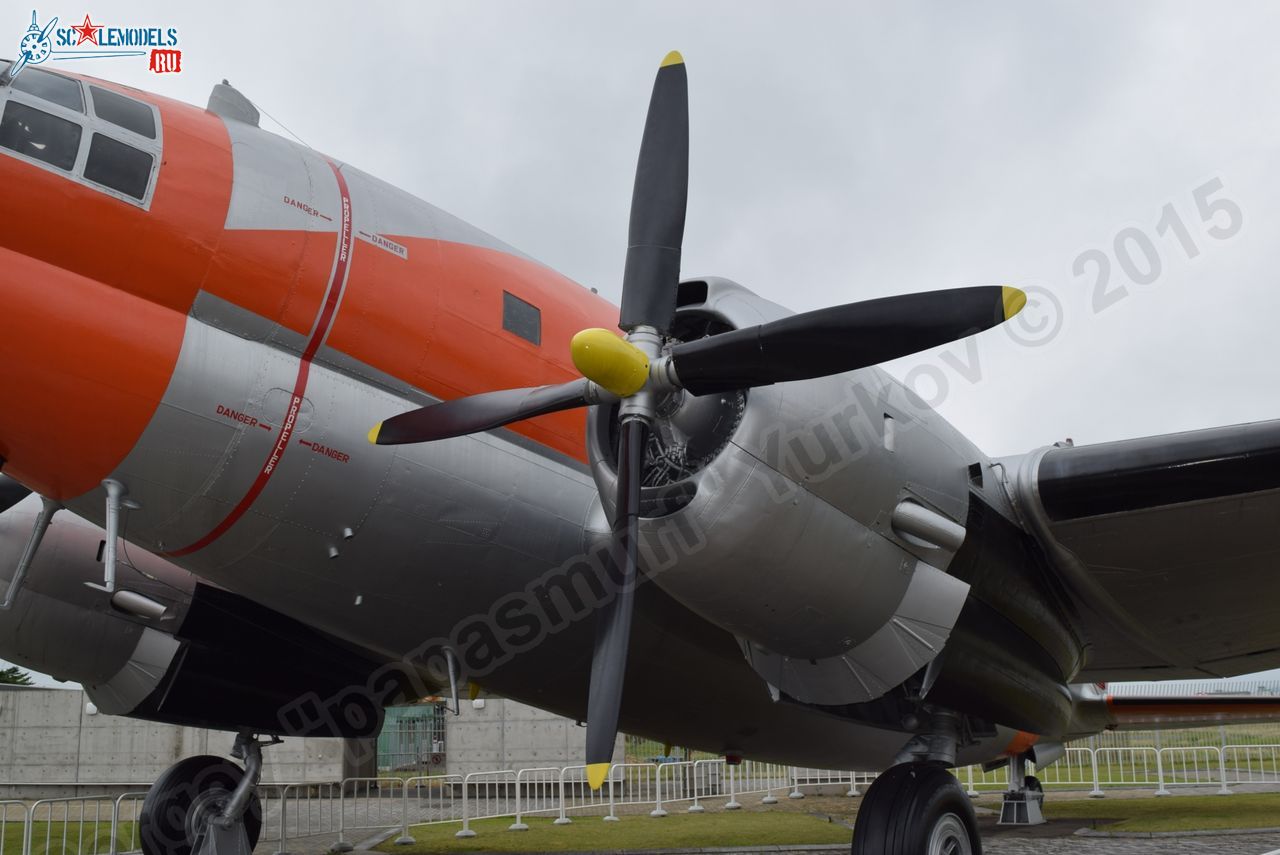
87, 32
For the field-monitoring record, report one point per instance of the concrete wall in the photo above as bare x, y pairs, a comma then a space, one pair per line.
48, 736
495, 733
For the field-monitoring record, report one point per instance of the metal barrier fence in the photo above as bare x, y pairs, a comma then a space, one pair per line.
1251, 764
294, 811
801, 778
369, 804
629, 787
537, 791
82, 824
576, 794
356, 808
1141, 767
14, 812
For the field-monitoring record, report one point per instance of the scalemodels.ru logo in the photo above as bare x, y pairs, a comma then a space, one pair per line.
89, 40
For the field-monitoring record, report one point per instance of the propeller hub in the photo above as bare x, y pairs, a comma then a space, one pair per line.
644, 403
610, 362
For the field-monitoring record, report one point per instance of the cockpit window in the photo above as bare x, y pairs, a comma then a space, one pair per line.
126, 112
121, 167
54, 88
38, 135
93, 135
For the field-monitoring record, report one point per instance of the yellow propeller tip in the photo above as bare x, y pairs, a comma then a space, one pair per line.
1014, 300
596, 773
673, 58
373, 433
473, 691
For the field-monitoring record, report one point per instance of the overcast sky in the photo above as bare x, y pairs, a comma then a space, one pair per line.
839, 152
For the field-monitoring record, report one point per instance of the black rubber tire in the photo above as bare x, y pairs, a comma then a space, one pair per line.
162, 822
902, 807
1032, 783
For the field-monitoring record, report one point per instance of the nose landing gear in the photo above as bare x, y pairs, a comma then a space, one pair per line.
206, 805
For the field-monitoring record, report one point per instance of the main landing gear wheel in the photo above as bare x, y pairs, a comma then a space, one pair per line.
916, 809
185, 799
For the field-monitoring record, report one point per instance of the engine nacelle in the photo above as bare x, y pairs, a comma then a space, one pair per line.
189, 645
59, 625
813, 520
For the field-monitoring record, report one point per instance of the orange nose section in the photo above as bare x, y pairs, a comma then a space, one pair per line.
83, 368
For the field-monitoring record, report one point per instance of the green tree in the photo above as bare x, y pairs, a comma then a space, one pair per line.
15, 676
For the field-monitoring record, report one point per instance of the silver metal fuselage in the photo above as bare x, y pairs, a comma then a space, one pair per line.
393, 548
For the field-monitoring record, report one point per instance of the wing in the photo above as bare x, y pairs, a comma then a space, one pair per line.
1135, 713
1170, 547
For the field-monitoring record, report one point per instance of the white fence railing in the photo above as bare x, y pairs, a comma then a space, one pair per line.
1251, 764
14, 813
357, 808
1142, 767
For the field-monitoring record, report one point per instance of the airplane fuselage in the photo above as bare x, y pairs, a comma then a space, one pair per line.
221, 342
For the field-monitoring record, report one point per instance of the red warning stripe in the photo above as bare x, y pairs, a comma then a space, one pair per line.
324, 321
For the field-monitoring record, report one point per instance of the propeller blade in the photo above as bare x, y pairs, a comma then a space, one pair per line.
613, 627
841, 338
658, 204
476, 413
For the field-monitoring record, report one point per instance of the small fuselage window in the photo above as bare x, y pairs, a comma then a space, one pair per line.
39, 135
523, 319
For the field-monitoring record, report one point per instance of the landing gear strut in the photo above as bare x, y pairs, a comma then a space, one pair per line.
206, 805
1023, 801
916, 809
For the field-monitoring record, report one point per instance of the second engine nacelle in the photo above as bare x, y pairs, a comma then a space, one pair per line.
813, 520
192, 645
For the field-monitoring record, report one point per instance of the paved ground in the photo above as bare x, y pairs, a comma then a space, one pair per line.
1050, 839
1059, 838
1251, 844
1245, 844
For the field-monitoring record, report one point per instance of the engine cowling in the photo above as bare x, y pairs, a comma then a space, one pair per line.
187, 643
813, 520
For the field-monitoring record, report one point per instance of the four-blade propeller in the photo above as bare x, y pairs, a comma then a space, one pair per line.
637, 369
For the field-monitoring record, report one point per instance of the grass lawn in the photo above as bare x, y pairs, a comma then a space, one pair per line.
1172, 813
740, 828
793, 823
